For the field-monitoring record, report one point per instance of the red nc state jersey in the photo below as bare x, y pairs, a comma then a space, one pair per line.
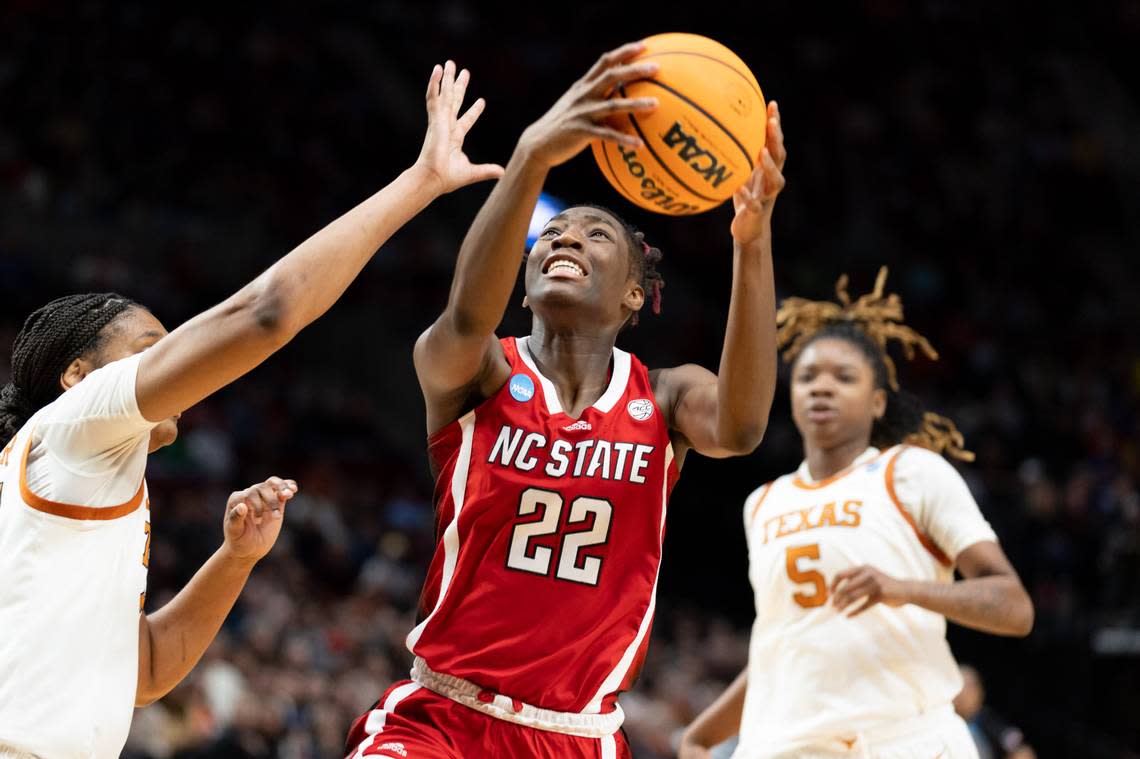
544, 579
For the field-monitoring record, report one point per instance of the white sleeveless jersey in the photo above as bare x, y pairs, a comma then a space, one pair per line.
815, 675
73, 570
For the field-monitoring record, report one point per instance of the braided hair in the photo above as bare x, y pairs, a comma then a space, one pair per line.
643, 260
869, 324
52, 337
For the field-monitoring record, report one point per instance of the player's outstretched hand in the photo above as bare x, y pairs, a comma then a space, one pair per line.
254, 517
753, 202
442, 155
580, 115
869, 584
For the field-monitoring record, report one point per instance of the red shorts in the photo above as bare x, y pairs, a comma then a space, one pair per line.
411, 722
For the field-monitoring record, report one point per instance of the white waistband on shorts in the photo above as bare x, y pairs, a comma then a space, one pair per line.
505, 708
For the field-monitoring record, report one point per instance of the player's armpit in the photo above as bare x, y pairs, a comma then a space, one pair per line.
984, 559
452, 368
689, 396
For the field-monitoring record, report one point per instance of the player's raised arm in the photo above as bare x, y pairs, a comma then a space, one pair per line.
218, 346
726, 414
459, 351
173, 639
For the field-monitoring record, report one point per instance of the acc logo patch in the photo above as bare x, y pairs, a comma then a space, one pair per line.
640, 409
521, 387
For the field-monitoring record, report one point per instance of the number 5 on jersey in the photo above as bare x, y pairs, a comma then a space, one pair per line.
806, 576
537, 559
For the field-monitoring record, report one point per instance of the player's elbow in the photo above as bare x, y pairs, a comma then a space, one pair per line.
742, 439
273, 313
1024, 615
1016, 611
267, 312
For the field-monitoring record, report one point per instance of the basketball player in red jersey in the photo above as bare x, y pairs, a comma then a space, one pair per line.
555, 454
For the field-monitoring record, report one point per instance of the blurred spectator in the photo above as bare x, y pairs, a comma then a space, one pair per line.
994, 737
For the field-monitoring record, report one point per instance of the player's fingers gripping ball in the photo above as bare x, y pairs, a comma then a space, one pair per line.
702, 142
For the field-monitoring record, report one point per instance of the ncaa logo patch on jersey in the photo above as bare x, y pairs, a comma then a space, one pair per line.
640, 409
521, 387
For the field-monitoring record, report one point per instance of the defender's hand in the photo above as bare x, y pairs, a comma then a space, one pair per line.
754, 200
442, 157
254, 517
579, 116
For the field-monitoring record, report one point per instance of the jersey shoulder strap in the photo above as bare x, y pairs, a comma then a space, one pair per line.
755, 500
511, 351
889, 481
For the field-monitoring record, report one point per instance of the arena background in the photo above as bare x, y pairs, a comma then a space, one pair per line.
987, 153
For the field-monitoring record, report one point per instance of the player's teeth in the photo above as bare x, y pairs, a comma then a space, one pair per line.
568, 265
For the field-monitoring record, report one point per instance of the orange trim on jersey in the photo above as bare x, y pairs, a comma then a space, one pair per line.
837, 476
760, 500
70, 511
927, 543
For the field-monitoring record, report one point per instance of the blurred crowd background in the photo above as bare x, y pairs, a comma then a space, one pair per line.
985, 152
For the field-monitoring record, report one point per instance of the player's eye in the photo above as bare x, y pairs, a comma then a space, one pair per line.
550, 232
600, 233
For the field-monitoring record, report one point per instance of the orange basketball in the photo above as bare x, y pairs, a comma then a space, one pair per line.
702, 142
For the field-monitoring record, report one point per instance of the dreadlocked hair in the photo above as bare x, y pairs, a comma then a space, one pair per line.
52, 337
870, 323
643, 260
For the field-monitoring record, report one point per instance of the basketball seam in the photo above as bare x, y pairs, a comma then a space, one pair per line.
707, 115
661, 163
733, 69
616, 183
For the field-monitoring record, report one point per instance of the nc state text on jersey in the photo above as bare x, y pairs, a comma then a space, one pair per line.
609, 460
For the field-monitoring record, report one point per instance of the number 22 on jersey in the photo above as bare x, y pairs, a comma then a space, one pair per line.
537, 559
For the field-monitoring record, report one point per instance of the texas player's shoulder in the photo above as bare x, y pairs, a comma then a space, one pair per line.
757, 497
769, 486
909, 455
920, 465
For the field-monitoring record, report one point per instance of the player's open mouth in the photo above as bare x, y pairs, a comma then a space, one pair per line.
820, 413
563, 266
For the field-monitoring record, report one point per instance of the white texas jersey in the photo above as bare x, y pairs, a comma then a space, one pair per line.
813, 674
74, 539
